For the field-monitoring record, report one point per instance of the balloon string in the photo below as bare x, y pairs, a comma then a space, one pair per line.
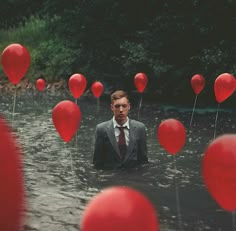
177, 197
233, 221
98, 106
77, 130
14, 105
72, 169
140, 105
194, 105
216, 120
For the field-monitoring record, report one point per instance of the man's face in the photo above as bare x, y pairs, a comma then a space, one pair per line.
120, 108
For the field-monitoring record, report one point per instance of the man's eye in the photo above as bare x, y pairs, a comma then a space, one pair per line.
120, 105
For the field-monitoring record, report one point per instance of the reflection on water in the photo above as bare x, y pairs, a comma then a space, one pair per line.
60, 178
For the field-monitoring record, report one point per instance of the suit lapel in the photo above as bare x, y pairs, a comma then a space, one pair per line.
132, 131
112, 138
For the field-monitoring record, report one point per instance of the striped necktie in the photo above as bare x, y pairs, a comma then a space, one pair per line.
122, 142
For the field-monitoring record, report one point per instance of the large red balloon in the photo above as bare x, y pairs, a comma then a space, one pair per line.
15, 62
219, 170
197, 83
140, 81
224, 86
12, 186
77, 85
66, 117
97, 89
171, 135
119, 209
40, 84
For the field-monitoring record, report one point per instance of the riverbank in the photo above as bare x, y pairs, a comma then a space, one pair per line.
25, 84
181, 100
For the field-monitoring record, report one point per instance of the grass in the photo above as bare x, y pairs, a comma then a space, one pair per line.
43, 47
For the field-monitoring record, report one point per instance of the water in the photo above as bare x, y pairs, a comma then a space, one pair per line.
60, 178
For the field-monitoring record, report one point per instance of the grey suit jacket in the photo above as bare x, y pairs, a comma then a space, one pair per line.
106, 152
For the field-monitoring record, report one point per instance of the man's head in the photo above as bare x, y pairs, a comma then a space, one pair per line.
120, 106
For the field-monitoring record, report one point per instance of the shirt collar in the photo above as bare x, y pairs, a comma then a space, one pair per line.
115, 124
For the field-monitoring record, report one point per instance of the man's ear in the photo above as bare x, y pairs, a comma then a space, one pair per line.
129, 106
111, 106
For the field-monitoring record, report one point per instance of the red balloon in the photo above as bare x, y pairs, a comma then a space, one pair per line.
97, 89
171, 135
66, 117
12, 186
219, 171
197, 83
15, 62
224, 86
140, 81
40, 84
119, 209
77, 85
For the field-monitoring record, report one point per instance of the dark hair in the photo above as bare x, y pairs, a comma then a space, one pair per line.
118, 95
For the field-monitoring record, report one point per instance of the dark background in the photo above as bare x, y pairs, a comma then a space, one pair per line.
111, 41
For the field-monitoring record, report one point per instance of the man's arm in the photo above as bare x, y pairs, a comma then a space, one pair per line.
98, 157
142, 155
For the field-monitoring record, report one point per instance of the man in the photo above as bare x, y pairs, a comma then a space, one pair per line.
120, 142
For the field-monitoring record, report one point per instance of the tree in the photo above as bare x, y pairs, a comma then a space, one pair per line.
14, 12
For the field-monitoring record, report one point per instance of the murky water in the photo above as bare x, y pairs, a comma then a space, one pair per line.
60, 178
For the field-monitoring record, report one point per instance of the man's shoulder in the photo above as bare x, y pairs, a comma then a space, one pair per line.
104, 124
137, 123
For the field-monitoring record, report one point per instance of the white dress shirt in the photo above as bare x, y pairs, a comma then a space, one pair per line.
117, 130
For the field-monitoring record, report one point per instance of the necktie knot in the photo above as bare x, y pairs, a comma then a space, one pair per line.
122, 128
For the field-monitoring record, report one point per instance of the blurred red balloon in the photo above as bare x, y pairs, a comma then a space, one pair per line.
119, 209
140, 81
224, 86
12, 186
77, 85
15, 62
197, 83
66, 118
97, 89
40, 84
171, 135
219, 170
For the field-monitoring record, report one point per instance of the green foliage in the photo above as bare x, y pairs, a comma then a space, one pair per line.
111, 41
14, 12
52, 60
50, 57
